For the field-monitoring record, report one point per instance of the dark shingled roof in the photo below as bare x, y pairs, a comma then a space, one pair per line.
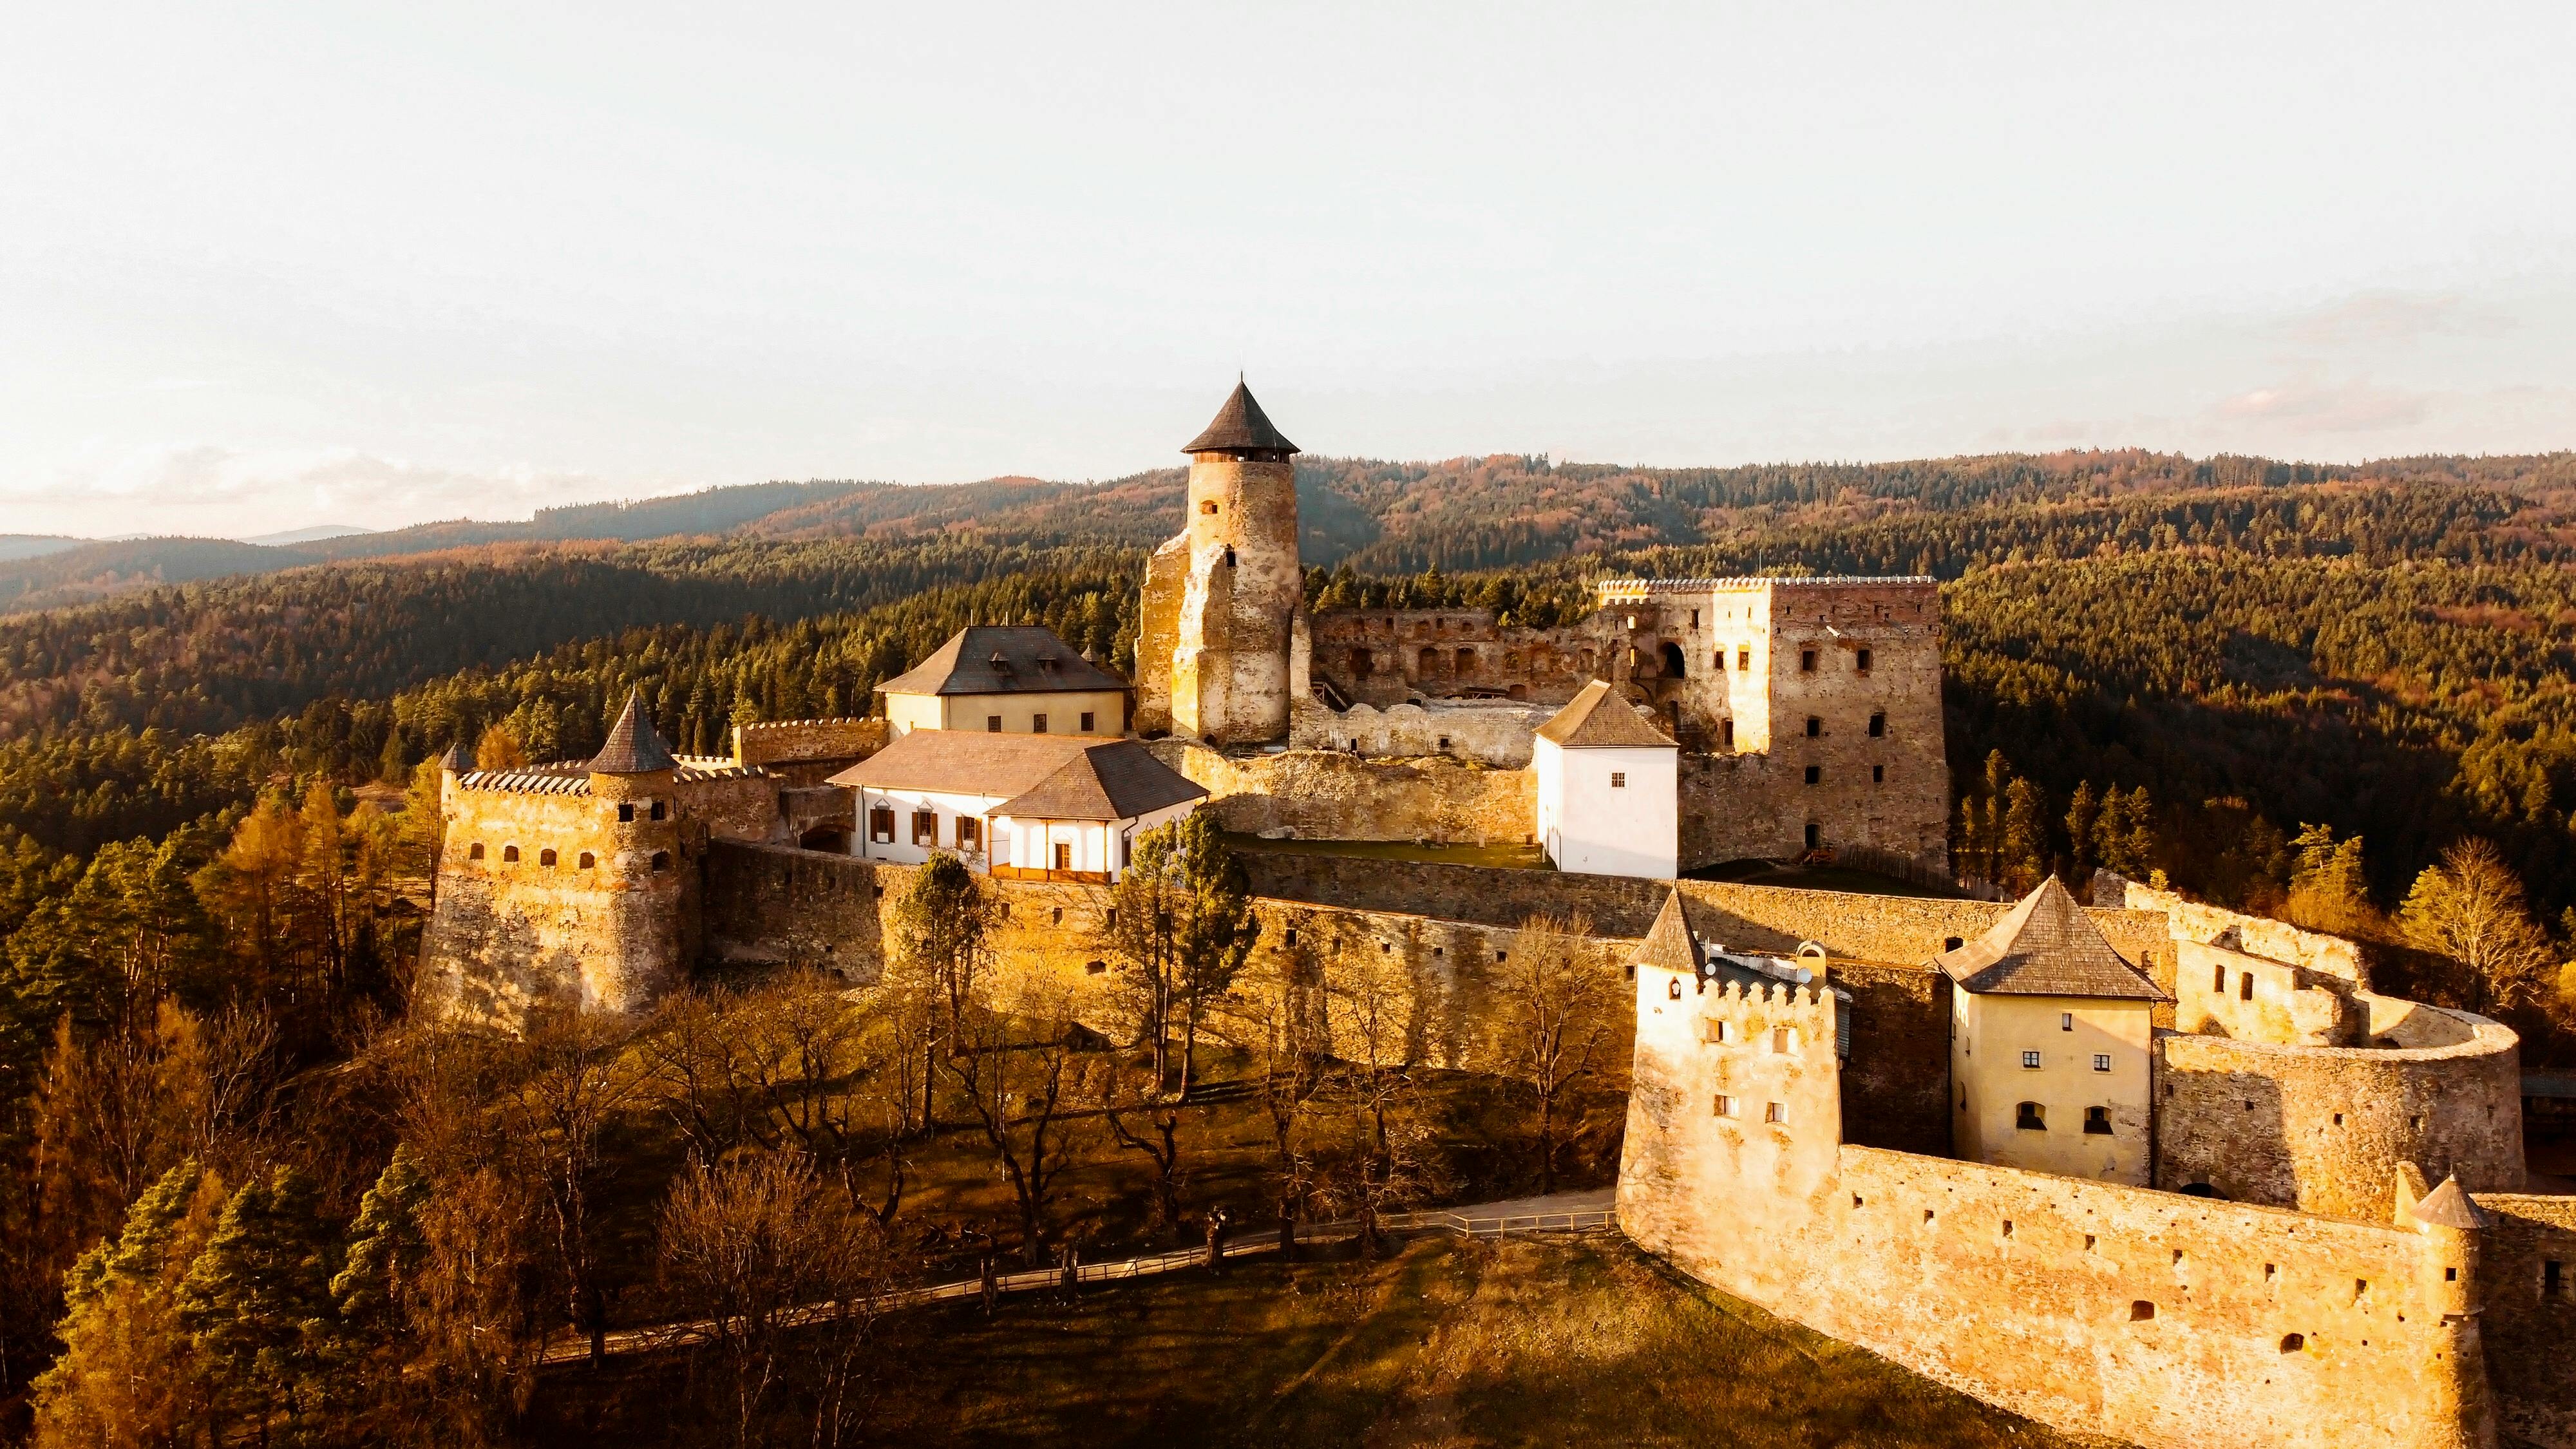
1241, 427
1599, 719
1003, 659
2046, 946
1054, 777
1669, 944
458, 759
634, 747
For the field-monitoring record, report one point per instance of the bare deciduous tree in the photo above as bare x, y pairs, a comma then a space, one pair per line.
2470, 908
577, 1082
1381, 1153
1555, 1021
1022, 1077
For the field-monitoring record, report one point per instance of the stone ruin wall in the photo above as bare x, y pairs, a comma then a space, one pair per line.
2021, 1287
1328, 795
1499, 734
805, 752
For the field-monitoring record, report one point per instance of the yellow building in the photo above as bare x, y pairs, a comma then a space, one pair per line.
1013, 679
2051, 1036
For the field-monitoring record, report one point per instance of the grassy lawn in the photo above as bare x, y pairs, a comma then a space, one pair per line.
1510, 857
1556, 1341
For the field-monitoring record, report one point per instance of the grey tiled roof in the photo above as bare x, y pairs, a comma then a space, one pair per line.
2046, 946
1240, 427
1116, 781
1669, 944
634, 747
1003, 659
1055, 777
1598, 718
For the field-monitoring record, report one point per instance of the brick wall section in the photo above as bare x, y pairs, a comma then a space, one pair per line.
2323, 1129
2527, 1332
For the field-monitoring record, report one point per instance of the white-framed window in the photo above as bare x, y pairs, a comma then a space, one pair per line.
2030, 1060
2066, 1021
1775, 1111
2101, 1061
1725, 1105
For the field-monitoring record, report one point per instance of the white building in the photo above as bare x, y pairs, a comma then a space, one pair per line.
1031, 807
1609, 788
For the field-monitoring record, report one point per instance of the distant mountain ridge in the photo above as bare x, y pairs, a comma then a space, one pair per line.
1378, 517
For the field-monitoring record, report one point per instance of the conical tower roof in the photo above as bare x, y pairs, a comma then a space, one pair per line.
1240, 427
2449, 1207
2046, 946
1669, 943
458, 760
634, 747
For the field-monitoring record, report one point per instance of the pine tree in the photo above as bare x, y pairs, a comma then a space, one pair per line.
384, 1246
257, 1302
125, 1375
2083, 815
2025, 837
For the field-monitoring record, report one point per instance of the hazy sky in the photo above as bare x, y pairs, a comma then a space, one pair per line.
269, 266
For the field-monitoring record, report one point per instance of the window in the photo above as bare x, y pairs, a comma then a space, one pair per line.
1815, 727
1360, 663
2218, 978
2030, 1117
1806, 661
2141, 1311
970, 833
2066, 1021
626, 811
1056, 919
2030, 1060
1444, 744
2245, 987
2101, 1061
1775, 1111
661, 861
1673, 989
1086, 721
1694, 618
1467, 661
1291, 935
2553, 1278
474, 851
1725, 1105
2293, 1342
589, 861
1718, 659
1815, 836
881, 824
1725, 1033
545, 857
1743, 656
1207, 505
1726, 733
1229, 555
1037, 724
1095, 968
1952, 943
1780, 1039
1618, 779
925, 827
992, 724
1127, 856
1862, 659
1815, 774
1877, 726
1063, 856
2097, 1120
1878, 774
658, 812
510, 853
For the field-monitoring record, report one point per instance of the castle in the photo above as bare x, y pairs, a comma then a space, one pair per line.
2139, 1167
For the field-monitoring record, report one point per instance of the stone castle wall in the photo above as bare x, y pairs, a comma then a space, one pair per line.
2525, 1326
1497, 733
1329, 795
2323, 1129
2154, 1317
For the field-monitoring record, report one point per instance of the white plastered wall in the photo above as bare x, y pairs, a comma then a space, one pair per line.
1609, 811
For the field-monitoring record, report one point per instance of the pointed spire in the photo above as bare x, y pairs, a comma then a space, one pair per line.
458, 760
2448, 1206
1669, 943
634, 747
1241, 428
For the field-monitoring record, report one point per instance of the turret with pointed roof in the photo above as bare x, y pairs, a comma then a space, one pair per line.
1242, 429
634, 747
458, 760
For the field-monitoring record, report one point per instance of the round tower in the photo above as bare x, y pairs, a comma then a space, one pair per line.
1229, 670
636, 823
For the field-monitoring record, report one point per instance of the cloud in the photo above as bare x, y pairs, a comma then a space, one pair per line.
2318, 406
212, 490
2384, 319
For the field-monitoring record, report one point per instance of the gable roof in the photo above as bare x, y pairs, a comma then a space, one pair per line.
1055, 777
634, 747
1003, 659
2046, 946
1240, 427
1669, 944
1599, 719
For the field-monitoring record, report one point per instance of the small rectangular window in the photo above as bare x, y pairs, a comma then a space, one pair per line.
1618, 779
1725, 1106
881, 825
925, 827
2245, 987
1878, 774
1815, 774
1780, 1039
1775, 1111
1086, 721
970, 833
1861, 658
992, 724
2030, 1059
1743, 656
1726, 733
1877, 726
2101, 1061
1815, 727
2553, 1278
1037, 724
2066, 1021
